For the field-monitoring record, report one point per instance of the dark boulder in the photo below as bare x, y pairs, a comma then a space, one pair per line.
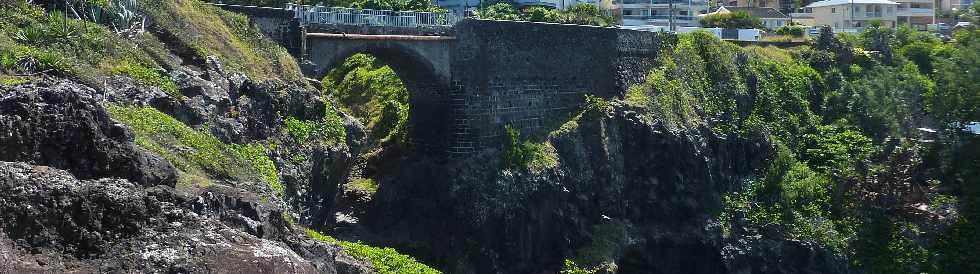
59, 124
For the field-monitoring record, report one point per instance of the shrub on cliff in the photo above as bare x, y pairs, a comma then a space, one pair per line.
579, 14
385, 260
519, 153
732, 20
373, 93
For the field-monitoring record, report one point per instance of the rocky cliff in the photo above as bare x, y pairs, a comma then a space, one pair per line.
78, 195
626, 193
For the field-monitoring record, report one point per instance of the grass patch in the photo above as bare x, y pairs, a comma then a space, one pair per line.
198, 155
366, 185
207, 30
385, 260
148, 76
526, 154
257, 155
14, 81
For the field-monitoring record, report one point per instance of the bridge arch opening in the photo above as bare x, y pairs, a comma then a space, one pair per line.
429, 125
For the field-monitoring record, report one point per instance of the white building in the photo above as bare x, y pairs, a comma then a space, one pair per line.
658, 12
917, 13
851, 15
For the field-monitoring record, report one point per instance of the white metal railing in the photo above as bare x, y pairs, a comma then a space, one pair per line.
384, 18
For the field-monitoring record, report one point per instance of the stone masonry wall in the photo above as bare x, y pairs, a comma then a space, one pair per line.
533, 75
278, 24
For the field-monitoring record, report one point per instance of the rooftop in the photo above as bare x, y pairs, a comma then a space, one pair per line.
825, 3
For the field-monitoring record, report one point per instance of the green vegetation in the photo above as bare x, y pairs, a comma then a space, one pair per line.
14, 81
203, 30
526, 154
372, 93
571, 267
366, 185
794, 31
580, 14
842, 116
329, 129
397, 5
199, 156
147, 76
34, 40
732, 20
385, 260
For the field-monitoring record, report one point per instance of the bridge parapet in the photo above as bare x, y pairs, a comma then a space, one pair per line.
313, 15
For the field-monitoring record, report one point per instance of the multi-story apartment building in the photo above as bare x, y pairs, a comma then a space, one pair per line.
950, 5
917, 13
658, 12
784, 6
851, 15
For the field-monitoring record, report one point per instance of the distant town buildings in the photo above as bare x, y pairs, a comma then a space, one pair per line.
950, 5
771, 17
658, 12
851, 15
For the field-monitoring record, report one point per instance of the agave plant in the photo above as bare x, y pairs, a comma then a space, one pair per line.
127, 17
32, 34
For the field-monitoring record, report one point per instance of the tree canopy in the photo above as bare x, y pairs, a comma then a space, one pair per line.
732, 20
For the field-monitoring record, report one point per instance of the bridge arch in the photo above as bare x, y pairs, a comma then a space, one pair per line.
429, 119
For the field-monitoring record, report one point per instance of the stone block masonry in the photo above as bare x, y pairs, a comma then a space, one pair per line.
481, 75
530, 75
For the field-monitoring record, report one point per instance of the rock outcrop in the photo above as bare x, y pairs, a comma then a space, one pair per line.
113, 225
58, 123
628, 193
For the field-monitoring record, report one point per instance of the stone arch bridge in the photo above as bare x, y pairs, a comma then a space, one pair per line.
467, 81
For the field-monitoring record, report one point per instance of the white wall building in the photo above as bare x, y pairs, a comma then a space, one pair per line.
658, 12
851, 15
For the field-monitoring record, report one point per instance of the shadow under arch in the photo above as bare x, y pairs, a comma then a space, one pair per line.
430, 117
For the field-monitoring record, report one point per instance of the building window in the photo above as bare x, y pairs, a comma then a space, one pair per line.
833, 10
890, 10
627, 12
836, 24
857, 8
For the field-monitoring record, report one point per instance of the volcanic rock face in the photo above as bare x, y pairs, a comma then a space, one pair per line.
112, 225
628, 193
76, 194
62, 126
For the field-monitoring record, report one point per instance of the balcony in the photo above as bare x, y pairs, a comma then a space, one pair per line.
915, 12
